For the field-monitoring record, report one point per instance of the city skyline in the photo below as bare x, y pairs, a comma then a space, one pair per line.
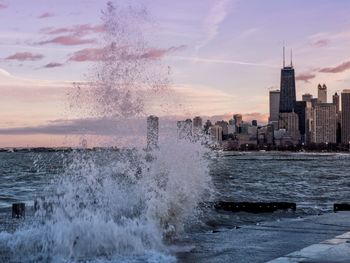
224, 65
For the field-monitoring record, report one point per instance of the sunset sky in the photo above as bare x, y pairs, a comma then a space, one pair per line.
224, 56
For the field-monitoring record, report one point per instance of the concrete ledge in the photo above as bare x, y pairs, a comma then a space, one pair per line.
331, 250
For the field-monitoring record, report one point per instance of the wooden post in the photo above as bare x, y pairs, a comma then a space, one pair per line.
18, 210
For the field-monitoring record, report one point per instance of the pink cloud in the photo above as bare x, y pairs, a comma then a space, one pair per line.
306, 77
53, 65
97, 54
68, 41
337, 69
3, 6
46, 15
80, 30
159, 53
321, 43
23, 56
88, 54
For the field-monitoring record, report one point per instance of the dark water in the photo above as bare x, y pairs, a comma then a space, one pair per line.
313, 181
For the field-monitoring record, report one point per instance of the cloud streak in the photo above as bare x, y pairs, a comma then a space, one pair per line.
337, 69
98, 54
46, 15
321, 43
25, 56
216, 16
158, 53
80, 30
222, 61
306, 77
68, 40
88, 54
53, 65
114, 127
91, 126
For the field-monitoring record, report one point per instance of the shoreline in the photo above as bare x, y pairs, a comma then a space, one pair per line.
291, 149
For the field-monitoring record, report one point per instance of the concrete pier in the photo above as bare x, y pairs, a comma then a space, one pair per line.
271, 240
335, 250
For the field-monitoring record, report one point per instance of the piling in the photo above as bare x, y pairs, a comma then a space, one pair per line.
341, 207
254, 207
18, 210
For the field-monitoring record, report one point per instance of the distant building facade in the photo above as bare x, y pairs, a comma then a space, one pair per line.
325, 123
345, 111
300, 110
290, 122
274, 102
215, 133
307, 97
336, 102
322, 93
287, 90
224, 126
237, 119
197, 125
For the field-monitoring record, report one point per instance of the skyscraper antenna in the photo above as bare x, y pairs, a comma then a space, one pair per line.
284, 56
291, 57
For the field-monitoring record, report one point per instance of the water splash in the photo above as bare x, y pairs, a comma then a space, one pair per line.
124, 205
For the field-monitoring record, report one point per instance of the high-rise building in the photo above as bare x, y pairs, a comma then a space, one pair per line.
224, 126
274, 100
152, 132
206, 126
314, 102
325, 123
322, 93
184, 129
345, 111
216, 134
238, 119
309, 120
197, 125
336, 102
307, 97
287, 90
300, 109
290, 122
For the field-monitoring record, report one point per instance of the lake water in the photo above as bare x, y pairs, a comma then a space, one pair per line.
313, 181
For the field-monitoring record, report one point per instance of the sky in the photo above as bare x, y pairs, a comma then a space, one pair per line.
224, 56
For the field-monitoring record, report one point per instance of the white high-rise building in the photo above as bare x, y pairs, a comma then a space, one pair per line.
216, 134
307, 97
322, 93
274, 101
325, 123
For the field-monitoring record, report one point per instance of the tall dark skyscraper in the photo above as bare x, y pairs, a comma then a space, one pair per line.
300, 109
287, 90
345, 109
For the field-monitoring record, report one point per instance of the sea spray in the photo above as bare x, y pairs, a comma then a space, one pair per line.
126, 204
